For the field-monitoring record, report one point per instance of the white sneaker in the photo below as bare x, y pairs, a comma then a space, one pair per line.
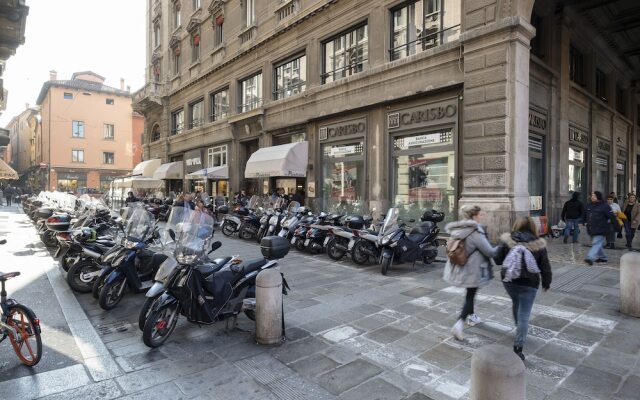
473, 319
457, 329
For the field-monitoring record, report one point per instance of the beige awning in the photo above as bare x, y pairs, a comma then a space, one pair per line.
146, 168
140, 182
221, 172
6, 172
172, 170
285, 160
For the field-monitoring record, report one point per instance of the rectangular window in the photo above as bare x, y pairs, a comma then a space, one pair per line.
156, 34
621, 104
219, 105
195, 114
343, 177
576, 66
251, 93
177, 122
417, 26
249, 12
601, 85
290, 78
346, 54
77, 129
110, 102
68, 96
176, 14
77, 156
537, 46
108, 131
196, 4
217, 156
195, 48
218, 31
176, 62
108, 158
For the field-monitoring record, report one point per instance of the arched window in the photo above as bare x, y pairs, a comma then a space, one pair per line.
155, 134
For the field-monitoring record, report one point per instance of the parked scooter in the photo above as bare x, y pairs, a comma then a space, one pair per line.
340, 238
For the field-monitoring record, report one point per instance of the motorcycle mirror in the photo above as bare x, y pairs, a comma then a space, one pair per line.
412, 220
172, 234
215, 246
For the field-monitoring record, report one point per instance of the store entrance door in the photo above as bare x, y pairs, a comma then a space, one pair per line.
251, 186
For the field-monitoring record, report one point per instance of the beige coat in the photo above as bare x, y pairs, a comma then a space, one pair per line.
635, 213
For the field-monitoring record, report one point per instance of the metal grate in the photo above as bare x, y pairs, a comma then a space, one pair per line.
574, 279
118, 326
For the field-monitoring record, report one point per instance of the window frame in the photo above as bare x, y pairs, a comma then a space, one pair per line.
428, 41
112, 103
302, 70
156, 34
221, 150
105, 131
601, 85
576, 65
77, 124
67, 96
345, 32
195, 48
176, 62
213, 105
218, 32
196, 4
249, 12
105, 160
76, 153
176, 17
175, 129
195, 123
244, 106
154, 130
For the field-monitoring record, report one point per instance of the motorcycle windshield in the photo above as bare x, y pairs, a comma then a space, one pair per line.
166, 268
254, 202
194, 236
177, 217
293, 207
279, 203
139, 224
390, 221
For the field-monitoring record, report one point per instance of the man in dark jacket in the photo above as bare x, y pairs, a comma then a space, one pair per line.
600, 218
572, 214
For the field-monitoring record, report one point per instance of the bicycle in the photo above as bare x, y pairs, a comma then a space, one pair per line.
20, 324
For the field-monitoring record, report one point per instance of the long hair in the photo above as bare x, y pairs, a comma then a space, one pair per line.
469, 211
525, 224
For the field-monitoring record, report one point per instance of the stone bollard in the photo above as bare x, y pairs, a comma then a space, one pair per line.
630, 284
497, 373
269, 307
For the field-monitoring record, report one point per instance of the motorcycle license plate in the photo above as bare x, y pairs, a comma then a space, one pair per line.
306, 242
293, 240
351, 243
326, 240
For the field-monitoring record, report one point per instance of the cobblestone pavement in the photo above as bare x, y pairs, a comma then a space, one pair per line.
355, 334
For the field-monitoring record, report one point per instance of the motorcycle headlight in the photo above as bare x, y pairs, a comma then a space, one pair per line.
186, 259
386, 239
273, 220
128, 244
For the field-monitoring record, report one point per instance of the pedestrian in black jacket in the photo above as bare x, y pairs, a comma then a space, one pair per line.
572, 215
600, 218
525, 265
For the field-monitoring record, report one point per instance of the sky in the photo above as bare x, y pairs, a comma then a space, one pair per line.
106, 37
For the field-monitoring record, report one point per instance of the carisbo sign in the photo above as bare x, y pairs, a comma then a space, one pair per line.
422, 116
341, 129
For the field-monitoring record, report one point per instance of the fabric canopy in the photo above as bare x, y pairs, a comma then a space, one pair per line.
221, 172
6, 172
285, 160
138, 182
172, 170
146, 168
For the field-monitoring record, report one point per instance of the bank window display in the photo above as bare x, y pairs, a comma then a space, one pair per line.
72, 185
219, 105
343, 177
536, 175
195, 114
577, 171
424, 174
602, 174
217, 156
290, 78
346, 54
251, 93
177, 122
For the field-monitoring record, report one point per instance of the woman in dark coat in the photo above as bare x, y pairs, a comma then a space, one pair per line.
522, 283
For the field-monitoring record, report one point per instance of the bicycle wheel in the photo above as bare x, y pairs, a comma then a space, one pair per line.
27, 343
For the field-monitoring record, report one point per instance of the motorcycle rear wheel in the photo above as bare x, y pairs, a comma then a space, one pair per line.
300, 244
357, 255
333, 252
228, 230
75, 276
157, 329
246, 235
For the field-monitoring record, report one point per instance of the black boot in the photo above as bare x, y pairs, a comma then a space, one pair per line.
565, 240
518, 351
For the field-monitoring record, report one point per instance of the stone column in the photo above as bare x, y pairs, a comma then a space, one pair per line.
494, 142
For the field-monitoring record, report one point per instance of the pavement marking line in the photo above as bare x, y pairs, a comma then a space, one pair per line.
45, 383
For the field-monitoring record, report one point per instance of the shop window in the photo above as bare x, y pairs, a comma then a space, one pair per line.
217, 156
343, 177
195, 48
289, 138
219, 102
108, 158
68, 96
218, 32
576, 65
577, 171
249, 8
621, 178
155, 134
601, 85
195, 114
177, 122
621, 104
251, 93
109, 131
417, 26
77, 156
290, 78
105, 183
71, 185
176, 14
602, 174
77, 129
536, 175
424, 174
345, 54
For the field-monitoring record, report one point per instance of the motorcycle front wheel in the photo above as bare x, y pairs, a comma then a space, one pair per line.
228, 230
246, 235
111, 294
358, 255
386, 263
160, 325
300, 244
99, 282
77, 276
146, 310
333, 252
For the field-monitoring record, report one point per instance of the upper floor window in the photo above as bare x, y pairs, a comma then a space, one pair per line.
77, 156
195, 114
176, 61
77, 129
218, 33
601, 85
345, 54
110, 102
196, 4
537, 47
576, 65
68, 96
251, 93
249, 12
176, 14
156, 34
155, 134
109, 131
290, 77
217, 156
219, 105
195, 47
621, 104
177, 122
108, 158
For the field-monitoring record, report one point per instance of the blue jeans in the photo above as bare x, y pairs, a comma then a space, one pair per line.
629, 232
572, 224
522, 298
596, 251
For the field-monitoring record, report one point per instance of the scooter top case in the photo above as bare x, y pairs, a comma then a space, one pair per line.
59, 222
44, 212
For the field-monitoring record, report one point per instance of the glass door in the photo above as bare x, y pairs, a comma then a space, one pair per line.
536, 175
602, 174
343, 177
577, 172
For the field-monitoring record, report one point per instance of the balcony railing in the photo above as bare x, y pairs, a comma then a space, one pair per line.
150, 94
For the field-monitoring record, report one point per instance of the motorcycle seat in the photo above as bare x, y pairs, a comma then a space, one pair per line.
105, 242
251, 266
416, 237
221, 261
208, 269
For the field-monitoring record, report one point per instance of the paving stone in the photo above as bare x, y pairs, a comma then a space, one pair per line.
98, 391
560, 352
320, 325
161, 372
162, 391
296, 388
341, 334
622, 342
347, 316
630, 388
374, 389
347, 376
418, 292
549, 322
418, 396
420, 371
386, 334
45, 383
575, 303
445, 356
239, 351
448, 388
566, 394
341, 354
592, 382
390, 356
290, 352
372, 322
545, 374
366, 309
314, 365
610, 361
419, 341
293, 334
263, 368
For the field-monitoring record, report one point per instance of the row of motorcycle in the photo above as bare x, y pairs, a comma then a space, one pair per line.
109, 253
359, 237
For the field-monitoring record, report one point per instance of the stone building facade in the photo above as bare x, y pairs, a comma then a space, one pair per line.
508, 104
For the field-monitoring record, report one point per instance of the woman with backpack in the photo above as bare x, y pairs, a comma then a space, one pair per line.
476, 269
525, 263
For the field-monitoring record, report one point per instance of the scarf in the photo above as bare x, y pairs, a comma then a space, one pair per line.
513, 265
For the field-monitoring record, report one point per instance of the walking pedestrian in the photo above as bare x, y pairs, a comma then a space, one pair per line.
599, 220
572, 215
1, 195
613, 228
631, 210
8, 194
477, 271
525, 262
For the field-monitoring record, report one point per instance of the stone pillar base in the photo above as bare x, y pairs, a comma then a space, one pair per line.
499, 213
